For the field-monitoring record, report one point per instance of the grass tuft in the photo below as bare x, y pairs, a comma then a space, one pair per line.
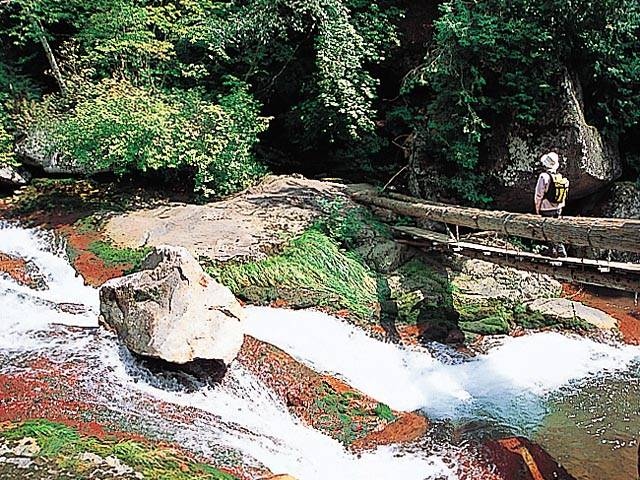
311, 271
113, 256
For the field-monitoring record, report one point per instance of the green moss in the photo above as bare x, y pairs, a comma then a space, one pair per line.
384, 411
500, 317
349, 225
341, 414
64, 446
113, 256
311, 271
421, 286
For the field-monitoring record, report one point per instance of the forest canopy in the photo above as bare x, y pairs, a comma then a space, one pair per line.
226, 90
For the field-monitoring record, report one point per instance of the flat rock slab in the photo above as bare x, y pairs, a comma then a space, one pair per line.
245, 227
565, 309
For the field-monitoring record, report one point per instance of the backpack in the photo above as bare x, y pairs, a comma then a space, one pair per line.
558, 188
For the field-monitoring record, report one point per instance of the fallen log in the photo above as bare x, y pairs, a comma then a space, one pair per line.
604, 233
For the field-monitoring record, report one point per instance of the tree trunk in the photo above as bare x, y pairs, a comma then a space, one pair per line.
49, 53
605, 233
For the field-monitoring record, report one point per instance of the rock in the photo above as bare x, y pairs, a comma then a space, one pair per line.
13, 177
281, 477
385, 255
34, 151
173, 311
519, 458
563, 309
248, 226
23, 272
477, 280
589, 161
408, 428
622, 201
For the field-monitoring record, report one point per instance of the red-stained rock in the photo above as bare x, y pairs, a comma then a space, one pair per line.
19, 270
407, 428
517, 458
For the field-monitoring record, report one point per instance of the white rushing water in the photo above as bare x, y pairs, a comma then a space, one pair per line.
23, 309
506, 382
241, 414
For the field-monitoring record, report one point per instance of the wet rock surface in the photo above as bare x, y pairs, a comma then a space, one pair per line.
22, 271
521, 459
172, 310
564, 309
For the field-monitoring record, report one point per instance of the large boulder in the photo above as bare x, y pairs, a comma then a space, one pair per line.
621, 201
589, 160
478, 281
35, 150
173, 310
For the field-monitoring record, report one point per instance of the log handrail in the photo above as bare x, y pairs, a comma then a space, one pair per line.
605, 233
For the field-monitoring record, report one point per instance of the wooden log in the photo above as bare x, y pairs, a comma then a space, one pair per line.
604, 233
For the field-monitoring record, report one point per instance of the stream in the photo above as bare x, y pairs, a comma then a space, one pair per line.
578, 398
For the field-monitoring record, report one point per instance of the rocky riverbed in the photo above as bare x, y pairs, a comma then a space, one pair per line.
403, 296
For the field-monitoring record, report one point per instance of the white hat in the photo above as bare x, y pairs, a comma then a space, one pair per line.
551, 161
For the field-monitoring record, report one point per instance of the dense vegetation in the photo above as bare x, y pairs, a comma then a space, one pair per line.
222, 91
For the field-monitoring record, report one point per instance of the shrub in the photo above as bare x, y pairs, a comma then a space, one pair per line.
116, 126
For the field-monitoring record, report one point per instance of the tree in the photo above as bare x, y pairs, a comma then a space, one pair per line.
499, 61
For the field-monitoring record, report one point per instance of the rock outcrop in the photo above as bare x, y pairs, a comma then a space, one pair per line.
589, 160
563, 309
246, 227
173, 310
13, 177
621, 201
478, 281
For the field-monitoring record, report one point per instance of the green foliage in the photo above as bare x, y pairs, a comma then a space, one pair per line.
310, 271
65, 446
116, 126
114, 256
333, 95
499, 62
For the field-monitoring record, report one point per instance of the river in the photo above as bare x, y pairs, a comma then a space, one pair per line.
577, 397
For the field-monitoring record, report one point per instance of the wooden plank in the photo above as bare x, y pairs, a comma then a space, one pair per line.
425, 234
443, 239
604, 233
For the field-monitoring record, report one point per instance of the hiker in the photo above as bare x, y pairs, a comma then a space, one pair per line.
551, 193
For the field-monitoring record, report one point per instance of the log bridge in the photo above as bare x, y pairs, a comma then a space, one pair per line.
622, 235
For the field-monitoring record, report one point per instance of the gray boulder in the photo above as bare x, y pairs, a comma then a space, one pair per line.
173, 310
35, 150
622, 201
477, 281
563, 309
589, 160
13, 177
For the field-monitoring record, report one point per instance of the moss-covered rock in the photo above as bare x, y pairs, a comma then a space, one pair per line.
48, 450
